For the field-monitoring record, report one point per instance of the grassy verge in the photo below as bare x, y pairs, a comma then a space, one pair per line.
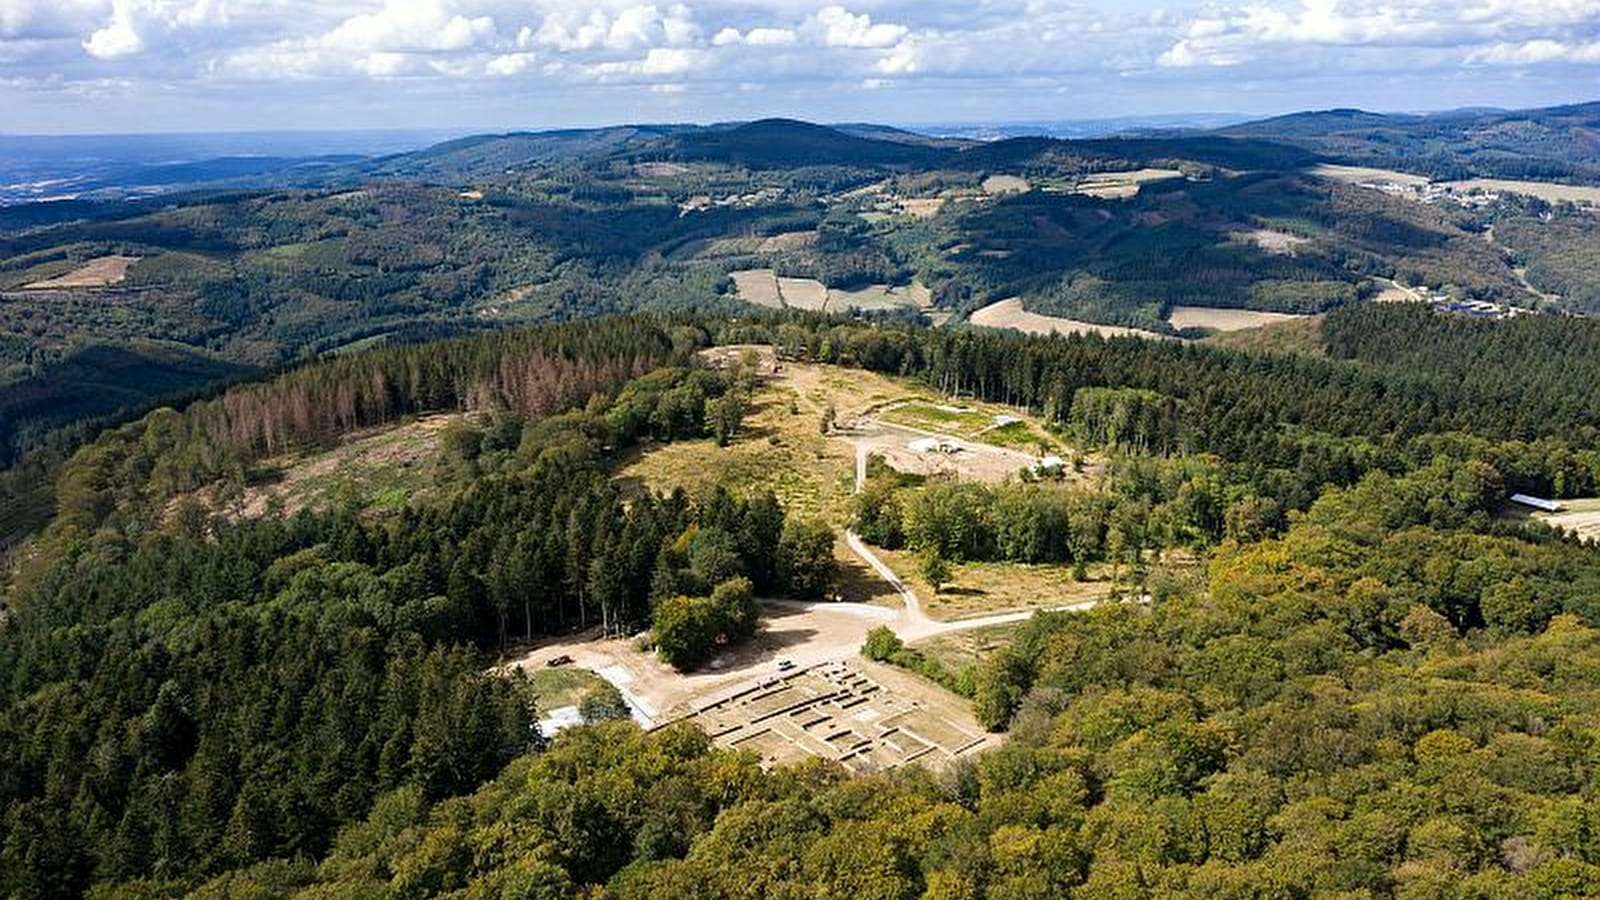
565, 686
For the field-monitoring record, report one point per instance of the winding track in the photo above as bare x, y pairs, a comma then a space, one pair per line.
806, 633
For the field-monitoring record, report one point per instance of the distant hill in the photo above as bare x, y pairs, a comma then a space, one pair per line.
492, 154
780, 143
1561, 142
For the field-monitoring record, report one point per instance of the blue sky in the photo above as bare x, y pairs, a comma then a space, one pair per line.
198, 65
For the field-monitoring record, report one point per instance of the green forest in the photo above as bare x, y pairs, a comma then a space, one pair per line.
1376, 686
247, 276
1313, 650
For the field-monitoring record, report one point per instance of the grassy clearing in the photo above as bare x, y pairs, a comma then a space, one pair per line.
975, 421
379, 470
935, 417
1366, 175
758, 286
1544, 190
803, 293
1225, 319
1018, 436
565, 686
101, 272
780, 447
1005, 184
980, 589
1011, 314
967, 648
881, 296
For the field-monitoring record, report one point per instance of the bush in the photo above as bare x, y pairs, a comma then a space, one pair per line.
881, 644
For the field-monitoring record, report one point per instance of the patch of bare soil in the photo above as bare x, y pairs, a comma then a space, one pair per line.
102, 272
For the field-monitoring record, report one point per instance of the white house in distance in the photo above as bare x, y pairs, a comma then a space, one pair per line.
1538, 503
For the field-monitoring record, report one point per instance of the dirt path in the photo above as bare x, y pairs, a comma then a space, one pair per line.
804, 634
1520, 271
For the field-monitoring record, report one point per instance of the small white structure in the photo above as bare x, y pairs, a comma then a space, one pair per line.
1049, 464
934, 445
1538, 503
1003, 420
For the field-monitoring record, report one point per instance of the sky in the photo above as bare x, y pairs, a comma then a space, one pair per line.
118, 66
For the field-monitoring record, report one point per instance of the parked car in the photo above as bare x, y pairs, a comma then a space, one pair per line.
785, 665
562, 660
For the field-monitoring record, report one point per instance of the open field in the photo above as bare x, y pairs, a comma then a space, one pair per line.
758, 286
780, 447
1365, 175
837, 711
920, 207
1225, 319
881, 296
1120, 185
1395, 292
789, 240
1010, 314
980, 589
963, 421
1580, 517
102, 272
803, 293
1281, 243
1005, 184
1544, 190
974, 461
960, 649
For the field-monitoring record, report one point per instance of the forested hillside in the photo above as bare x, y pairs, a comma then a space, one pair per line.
110, 306
1378, 685
1551, 143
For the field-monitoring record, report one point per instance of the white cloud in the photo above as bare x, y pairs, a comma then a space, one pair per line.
509, 64
411, 25
804, 50
841, 28
135, 24
755, 37
1474, 28
587, 28
1537, 52
659, 61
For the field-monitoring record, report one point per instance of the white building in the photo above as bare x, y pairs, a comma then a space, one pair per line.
1538, 503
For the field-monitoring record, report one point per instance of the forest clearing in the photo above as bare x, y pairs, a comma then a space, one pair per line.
1580, 516
1011, 314
1544, 190
763, 287
1120, 185
1219, 319
781, 448
104, 271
